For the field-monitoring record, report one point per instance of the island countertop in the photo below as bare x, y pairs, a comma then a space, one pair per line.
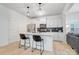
41, 33
44, 33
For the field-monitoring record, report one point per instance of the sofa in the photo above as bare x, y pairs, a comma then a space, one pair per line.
73, 40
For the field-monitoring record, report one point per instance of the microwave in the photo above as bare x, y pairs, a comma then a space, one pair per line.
42, 25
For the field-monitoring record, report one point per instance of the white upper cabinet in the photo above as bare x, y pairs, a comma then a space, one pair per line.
54, 21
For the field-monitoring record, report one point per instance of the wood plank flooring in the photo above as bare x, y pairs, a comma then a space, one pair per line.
60, 48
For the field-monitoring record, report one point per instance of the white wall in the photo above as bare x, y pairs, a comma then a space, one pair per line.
3, 26
11, 24
72, 18
17, 24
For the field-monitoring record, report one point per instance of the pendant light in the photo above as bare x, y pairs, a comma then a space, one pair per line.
28, 13
40, 4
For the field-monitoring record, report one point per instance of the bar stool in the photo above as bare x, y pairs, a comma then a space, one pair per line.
23, 37
37, 38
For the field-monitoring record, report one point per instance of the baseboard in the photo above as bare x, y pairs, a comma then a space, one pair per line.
60, 41
12, 41
8, 42
3, 44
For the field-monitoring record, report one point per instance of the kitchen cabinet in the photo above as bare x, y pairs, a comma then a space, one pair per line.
59, 36
54, 21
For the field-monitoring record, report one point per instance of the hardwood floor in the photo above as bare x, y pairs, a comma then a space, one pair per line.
60, 48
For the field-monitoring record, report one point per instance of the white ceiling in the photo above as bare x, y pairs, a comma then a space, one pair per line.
47, 8
75, 8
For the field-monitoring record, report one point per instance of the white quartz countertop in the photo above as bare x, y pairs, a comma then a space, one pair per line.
42, 33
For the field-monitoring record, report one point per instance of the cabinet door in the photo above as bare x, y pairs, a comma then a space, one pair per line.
55, 37
54, 21
59, 36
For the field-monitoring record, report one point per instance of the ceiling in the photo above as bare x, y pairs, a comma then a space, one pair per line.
47, 8
75, 8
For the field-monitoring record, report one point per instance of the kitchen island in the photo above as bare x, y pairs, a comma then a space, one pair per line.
48, 39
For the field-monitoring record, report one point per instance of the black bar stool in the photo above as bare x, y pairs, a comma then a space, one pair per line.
23, 37
37, 39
